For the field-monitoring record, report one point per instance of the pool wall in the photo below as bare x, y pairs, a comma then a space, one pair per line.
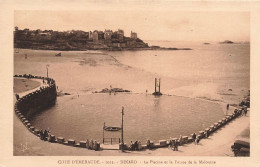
46, 96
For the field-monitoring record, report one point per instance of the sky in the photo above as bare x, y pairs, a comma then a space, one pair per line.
148, 24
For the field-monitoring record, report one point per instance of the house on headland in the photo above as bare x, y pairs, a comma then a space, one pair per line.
120, 34
97, 36
133, 35
108, 34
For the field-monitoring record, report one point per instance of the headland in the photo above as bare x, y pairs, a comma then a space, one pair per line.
79, 40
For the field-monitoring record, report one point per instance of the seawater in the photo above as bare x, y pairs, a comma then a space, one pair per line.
82, 114
145, 116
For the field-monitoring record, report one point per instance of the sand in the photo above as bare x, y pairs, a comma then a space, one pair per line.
23, 85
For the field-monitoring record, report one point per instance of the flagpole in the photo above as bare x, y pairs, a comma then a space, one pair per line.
122, 129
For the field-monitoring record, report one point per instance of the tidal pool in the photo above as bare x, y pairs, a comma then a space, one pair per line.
146, 116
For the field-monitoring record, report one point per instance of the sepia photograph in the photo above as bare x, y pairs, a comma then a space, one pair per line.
131, 83
113, 83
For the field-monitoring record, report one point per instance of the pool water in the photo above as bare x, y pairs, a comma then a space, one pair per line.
145, 116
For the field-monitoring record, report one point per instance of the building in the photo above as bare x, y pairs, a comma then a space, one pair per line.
108, 34
120, 34
133, 35
98, 35
90, 35
45, 35
95, 36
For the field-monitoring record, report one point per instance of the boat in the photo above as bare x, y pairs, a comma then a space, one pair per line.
58, 55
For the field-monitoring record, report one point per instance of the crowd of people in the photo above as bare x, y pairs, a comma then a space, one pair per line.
44, 135
136, 146
173, 144
92, 144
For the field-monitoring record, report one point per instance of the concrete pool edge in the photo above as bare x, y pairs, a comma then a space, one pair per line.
83, 144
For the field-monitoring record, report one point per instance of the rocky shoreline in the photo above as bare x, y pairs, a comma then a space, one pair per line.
101, 49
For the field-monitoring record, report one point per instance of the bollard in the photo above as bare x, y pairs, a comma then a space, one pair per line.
207, 132
220, 123
98, 146
216, 125
201, 133
52, 138
151, 144
83, 144
189, 140
60, 140
71, 142
207, 129
31, 128
28, 125
174, 139
212, 128
144, 146
36, 131
224, 121
162, 143
23, 119
185, 139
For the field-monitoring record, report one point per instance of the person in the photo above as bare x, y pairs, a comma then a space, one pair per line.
194, 137
180, 140
175, 145
148, 143
45, 134
170, 141
206, 133
136, 146
87, 144
91, 144
197, 140
41, 134
235, 111
95, 145
17, 96
245, 111
227, 106
131, 146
